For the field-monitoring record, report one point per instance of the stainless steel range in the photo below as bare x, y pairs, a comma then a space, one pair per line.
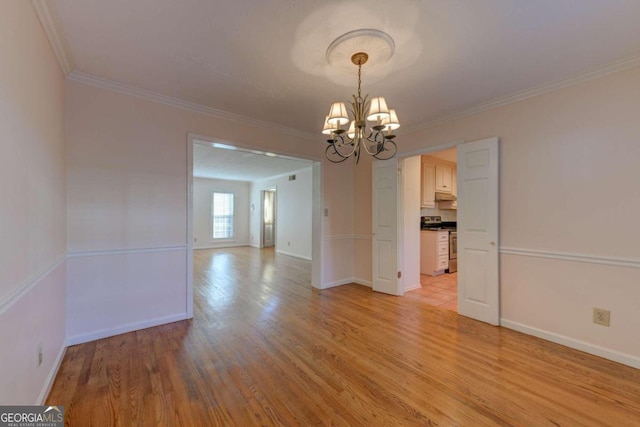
436, 223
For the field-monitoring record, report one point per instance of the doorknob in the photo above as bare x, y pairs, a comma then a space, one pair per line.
493, 243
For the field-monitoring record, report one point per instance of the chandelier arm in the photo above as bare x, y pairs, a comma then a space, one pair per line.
349, 146
331, 156
388, 152
379, 143
371, 153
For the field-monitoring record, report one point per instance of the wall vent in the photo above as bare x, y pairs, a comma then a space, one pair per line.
292, 177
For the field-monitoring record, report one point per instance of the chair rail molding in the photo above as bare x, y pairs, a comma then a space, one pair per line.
575, 257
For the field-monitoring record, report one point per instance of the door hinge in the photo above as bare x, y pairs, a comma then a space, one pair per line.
399, 274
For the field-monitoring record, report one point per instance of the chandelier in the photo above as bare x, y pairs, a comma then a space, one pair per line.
377, 139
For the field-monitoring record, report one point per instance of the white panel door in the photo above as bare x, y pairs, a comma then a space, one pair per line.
385, 227
478, 282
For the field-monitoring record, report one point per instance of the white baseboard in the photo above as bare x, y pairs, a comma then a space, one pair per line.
348, 281
413, 287
616, 356
335, 283
363, 282
105, 333
46, 387
278, 251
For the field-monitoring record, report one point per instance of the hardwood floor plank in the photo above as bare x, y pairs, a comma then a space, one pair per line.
264, 348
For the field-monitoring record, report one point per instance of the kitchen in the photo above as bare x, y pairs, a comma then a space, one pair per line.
438, 236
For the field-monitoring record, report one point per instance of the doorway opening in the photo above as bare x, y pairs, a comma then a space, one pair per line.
267, 191
477, 225
268, 218
435, 174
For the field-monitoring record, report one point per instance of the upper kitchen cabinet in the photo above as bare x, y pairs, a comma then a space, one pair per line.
428, 185
455, 182
438, 176
454, 187
444, 179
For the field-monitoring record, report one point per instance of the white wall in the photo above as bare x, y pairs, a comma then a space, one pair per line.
203, 188
569, 207
127, 185
33, 211
446, 214
293, 212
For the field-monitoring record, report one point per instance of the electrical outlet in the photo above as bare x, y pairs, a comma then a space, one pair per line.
40, 353
601, 316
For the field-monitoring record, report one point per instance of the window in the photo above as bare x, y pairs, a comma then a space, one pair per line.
222, 216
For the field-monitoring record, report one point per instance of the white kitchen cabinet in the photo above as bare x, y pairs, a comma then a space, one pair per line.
454, 186
452, 204
428, 185
434, 252
444, 179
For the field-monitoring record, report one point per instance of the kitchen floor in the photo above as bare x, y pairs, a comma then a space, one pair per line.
441, 291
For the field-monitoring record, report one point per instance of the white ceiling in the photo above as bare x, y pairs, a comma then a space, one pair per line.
240, 165
265, 60
449, 155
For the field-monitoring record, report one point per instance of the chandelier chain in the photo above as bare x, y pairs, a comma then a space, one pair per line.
359, 80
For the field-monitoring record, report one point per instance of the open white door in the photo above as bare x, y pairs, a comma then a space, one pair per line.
385, 227
478, 282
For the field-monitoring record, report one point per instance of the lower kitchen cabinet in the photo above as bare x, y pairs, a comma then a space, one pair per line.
434, 252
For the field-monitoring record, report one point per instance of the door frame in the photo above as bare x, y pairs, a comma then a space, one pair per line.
401, 225
317, 201
420, 152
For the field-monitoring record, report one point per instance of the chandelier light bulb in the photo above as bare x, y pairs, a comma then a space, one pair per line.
378, 109
391, 123
328, 128
338, 114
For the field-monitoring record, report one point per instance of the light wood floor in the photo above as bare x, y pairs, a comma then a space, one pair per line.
266, 349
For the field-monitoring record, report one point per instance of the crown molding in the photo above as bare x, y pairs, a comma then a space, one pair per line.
46, 12
614, 67
48, 17
90, 80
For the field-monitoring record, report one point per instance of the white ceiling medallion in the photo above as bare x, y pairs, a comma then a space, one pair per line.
378, 45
